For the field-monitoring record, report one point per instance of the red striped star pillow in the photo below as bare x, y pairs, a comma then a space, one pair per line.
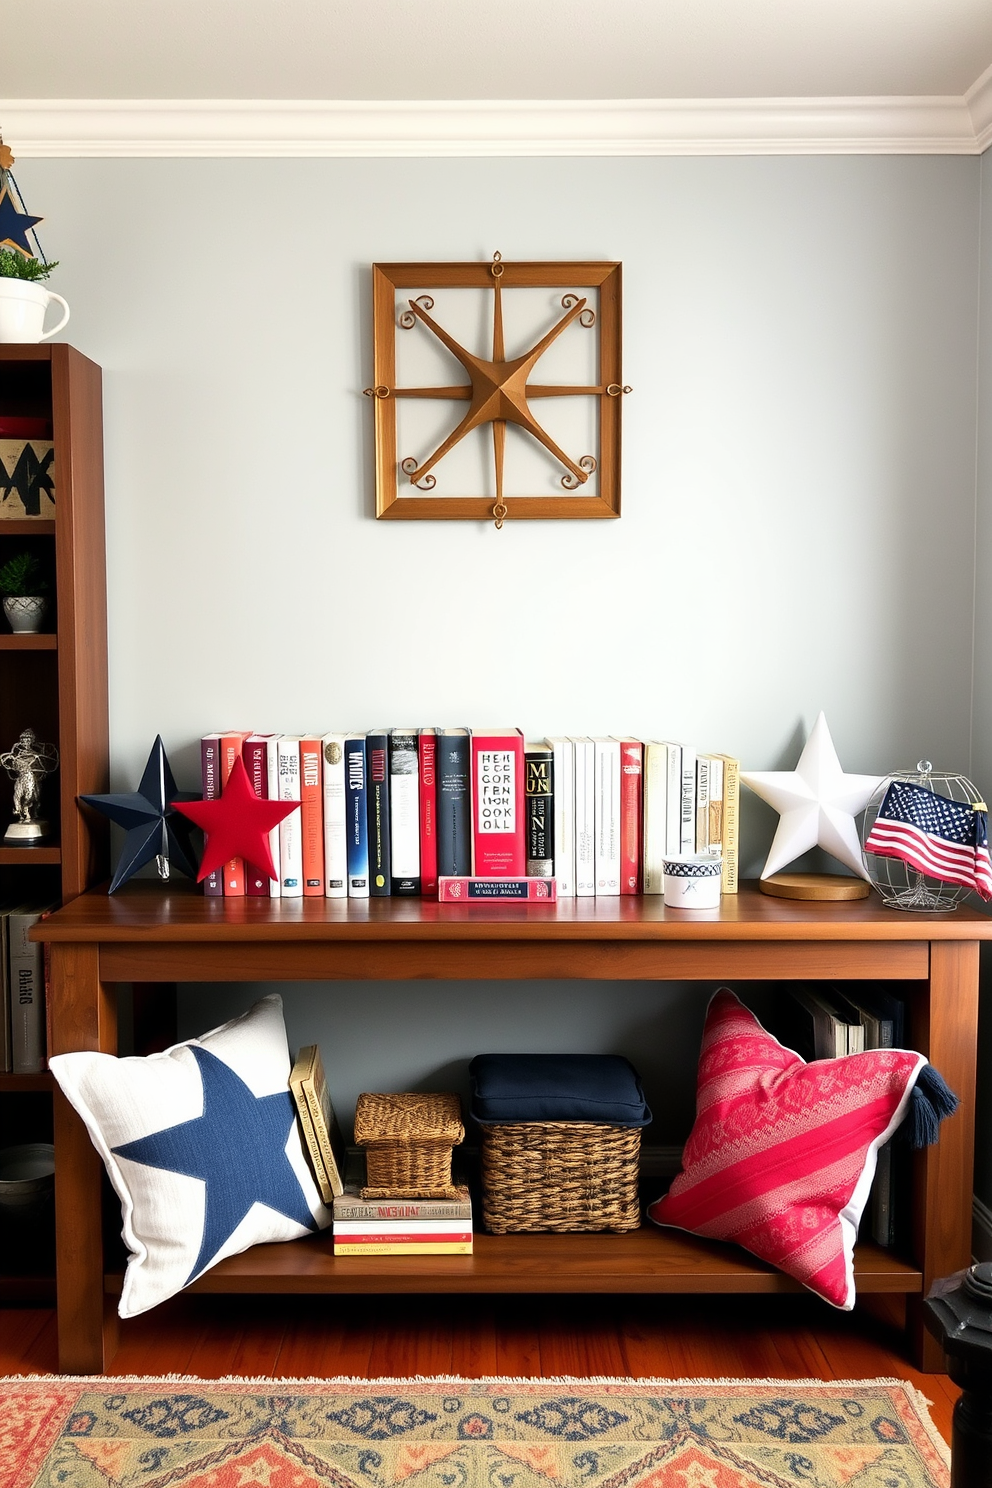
782, 1153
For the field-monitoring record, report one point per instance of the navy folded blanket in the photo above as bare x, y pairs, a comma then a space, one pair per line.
604, 1088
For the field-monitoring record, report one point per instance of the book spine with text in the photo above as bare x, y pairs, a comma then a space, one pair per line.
539, 798
255, 753
715, 834
335, 842
498, 816
351, 1206
687, 814
213, 884
290, 831
27, 994
454, 820
427, 750
563, 813
467, 890
357, 818
607, 816
702, 827
272, 772
234, 869
674, 828
404, 811
312, 816
655, 844
585, 818
345, 1247
377, 798
731, 823
631, 814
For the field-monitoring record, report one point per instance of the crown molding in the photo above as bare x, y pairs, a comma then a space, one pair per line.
189, 128
979, 101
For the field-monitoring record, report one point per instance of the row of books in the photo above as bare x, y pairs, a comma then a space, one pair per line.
394, 810
822, 1021
22, 991
399, 1226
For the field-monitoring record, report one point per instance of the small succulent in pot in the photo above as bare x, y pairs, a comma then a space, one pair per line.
23, 585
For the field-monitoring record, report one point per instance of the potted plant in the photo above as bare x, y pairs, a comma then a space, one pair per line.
24, 298
23, 585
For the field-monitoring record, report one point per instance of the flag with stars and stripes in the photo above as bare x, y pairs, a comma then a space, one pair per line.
947, 839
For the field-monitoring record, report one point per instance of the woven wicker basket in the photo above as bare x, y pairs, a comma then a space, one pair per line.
560, 1175
408, 1141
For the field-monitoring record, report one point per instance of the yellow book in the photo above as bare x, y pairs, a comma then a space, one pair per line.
730, 842
408, 1248
321, 1135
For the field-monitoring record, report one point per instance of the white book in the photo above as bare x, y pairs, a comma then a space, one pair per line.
655, 816
291, 827
335, 838
673, 824
27, 993
715, 822
404, 809
702, 842
563, 812
687, 814
607, 816
585, 817
272, 790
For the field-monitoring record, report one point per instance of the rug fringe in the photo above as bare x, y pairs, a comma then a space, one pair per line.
625, 1381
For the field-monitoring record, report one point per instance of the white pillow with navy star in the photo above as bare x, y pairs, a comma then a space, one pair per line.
202, 1147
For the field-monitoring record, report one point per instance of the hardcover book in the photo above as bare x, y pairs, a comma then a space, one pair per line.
539, 798
607, 815
498, 835
312, 816
674, 808
377, 798
27, 991
321, 1135
730, 825
585, 818
687, 815
655, 787
290, 829
631, 814
213, 884
427, 750
231, 745
465, 890
255, 753
335, 839
404, 811
272, 771
350, 1206
563, 815
357, 817
454, 824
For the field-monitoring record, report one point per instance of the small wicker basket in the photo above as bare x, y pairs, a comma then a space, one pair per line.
408, 1140
561, 1176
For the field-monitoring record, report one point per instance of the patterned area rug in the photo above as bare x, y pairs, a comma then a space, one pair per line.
451, 1433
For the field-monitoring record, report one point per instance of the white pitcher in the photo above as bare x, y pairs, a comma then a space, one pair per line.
23, 304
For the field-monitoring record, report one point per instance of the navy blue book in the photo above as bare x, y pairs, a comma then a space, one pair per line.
356, 816
454, 804
377, 804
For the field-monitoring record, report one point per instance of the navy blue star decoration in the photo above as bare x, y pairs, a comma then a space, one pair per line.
237, 1148
15, 223
153, 828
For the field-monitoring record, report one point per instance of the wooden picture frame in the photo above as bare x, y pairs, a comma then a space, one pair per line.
498, 390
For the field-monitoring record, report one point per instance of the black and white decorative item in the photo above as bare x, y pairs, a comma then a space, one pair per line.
24, 300
693, 882
925, 840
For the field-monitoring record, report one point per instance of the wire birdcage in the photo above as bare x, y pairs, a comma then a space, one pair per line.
901, 885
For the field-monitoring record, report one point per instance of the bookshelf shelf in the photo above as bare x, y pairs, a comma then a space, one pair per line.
26, 857
42, 642
23, 1083
148, 934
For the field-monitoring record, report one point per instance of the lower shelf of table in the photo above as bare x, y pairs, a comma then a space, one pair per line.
646, 1260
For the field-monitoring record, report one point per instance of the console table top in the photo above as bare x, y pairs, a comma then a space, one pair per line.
148, 912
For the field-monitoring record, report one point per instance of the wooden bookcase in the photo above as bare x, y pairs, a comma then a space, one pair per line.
56, 682
149, 934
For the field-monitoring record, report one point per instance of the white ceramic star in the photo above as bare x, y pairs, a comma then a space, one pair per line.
817, 803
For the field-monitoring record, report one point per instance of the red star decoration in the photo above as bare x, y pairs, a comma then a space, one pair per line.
237, 824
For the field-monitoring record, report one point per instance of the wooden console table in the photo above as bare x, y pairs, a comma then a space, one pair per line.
148, 934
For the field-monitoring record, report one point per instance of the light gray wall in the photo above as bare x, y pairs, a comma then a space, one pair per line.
798, 473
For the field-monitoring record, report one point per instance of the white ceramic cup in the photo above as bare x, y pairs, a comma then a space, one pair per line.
23, 305
693, 882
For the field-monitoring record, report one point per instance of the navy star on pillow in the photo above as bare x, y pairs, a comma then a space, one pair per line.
237, 1148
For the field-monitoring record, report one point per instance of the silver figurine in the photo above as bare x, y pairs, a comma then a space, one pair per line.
28, 762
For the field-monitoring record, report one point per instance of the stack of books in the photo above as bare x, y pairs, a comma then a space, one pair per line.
415, 811
370, 1227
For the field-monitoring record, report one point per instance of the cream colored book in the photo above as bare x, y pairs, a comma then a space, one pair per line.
730, 823
317, 1121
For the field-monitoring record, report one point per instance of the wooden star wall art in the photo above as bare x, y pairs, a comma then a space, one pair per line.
533, 350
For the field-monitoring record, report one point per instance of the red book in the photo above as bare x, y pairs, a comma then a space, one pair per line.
631, 801
255, 753
499, 834
452, 890
312, 816
427, 745
213, 884
234, 869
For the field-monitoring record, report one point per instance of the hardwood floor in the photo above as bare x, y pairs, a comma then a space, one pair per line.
668, 1337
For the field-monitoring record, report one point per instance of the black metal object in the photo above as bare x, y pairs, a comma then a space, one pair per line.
958, 1311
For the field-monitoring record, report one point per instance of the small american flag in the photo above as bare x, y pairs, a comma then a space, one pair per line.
947, 839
